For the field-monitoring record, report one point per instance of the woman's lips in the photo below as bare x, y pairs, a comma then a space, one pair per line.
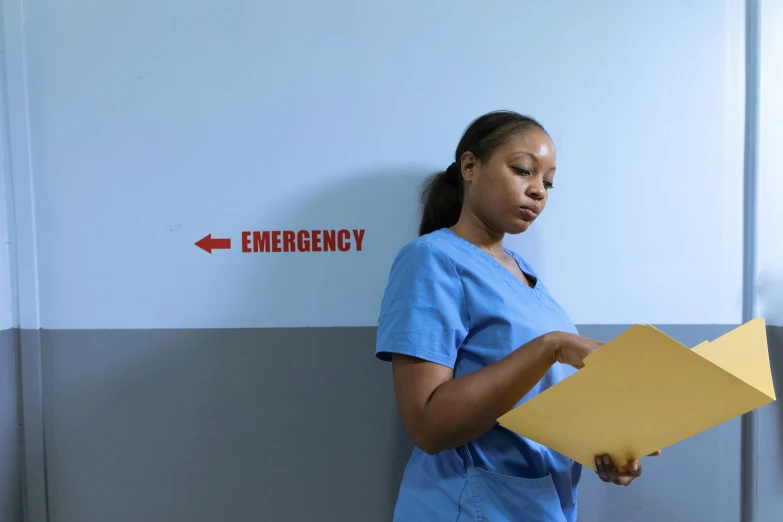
529, 213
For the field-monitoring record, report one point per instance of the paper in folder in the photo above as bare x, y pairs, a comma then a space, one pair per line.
644, 391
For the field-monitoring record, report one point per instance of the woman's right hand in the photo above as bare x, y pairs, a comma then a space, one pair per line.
572, 349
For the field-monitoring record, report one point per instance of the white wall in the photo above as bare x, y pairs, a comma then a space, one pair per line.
8, 317
770, 190
153, 124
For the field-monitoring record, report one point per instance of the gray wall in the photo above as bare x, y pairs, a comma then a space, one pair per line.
770, 427
214, 425
301, 425
10, 485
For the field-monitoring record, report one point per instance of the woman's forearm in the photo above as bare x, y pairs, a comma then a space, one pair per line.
462, 409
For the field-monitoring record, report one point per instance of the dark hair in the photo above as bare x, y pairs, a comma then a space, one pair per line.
441, 194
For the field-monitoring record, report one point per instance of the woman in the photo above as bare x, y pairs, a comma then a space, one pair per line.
471, 332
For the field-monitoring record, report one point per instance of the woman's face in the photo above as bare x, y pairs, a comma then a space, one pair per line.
509, 191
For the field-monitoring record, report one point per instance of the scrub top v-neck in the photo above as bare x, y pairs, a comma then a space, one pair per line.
449, 302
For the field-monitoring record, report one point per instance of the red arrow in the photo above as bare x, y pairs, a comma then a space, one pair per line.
208, 244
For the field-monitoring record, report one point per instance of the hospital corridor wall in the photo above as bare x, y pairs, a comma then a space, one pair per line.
201, 202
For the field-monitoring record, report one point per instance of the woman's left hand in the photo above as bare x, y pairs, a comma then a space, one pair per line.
620, 475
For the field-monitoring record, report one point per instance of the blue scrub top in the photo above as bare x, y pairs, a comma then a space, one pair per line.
450, 303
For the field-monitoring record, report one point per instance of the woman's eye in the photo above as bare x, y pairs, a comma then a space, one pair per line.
523, 172
549, 185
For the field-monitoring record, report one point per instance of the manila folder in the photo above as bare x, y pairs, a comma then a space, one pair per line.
644, 391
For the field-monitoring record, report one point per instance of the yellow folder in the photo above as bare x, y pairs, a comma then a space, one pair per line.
644, 391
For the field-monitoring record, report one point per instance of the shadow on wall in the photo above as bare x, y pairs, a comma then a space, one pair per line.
334, 288
343, 288
385, 204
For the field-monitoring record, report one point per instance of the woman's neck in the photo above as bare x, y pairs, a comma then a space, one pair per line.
472, 229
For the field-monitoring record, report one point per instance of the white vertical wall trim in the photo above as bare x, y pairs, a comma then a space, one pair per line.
21, 166
26, 260
9, 316
769, 247
749, 449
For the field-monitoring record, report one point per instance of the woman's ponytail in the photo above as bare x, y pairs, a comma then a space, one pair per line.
441, 200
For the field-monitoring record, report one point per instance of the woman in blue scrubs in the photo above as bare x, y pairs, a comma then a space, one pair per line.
471, 331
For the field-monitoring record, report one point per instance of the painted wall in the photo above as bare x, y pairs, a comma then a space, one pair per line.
176, 381
153, 124
770, 211
8, 317
769, 290
165, 426
10, 484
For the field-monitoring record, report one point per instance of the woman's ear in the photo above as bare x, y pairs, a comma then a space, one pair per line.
468, 166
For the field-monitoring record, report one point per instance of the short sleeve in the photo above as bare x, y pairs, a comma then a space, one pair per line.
424, 312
